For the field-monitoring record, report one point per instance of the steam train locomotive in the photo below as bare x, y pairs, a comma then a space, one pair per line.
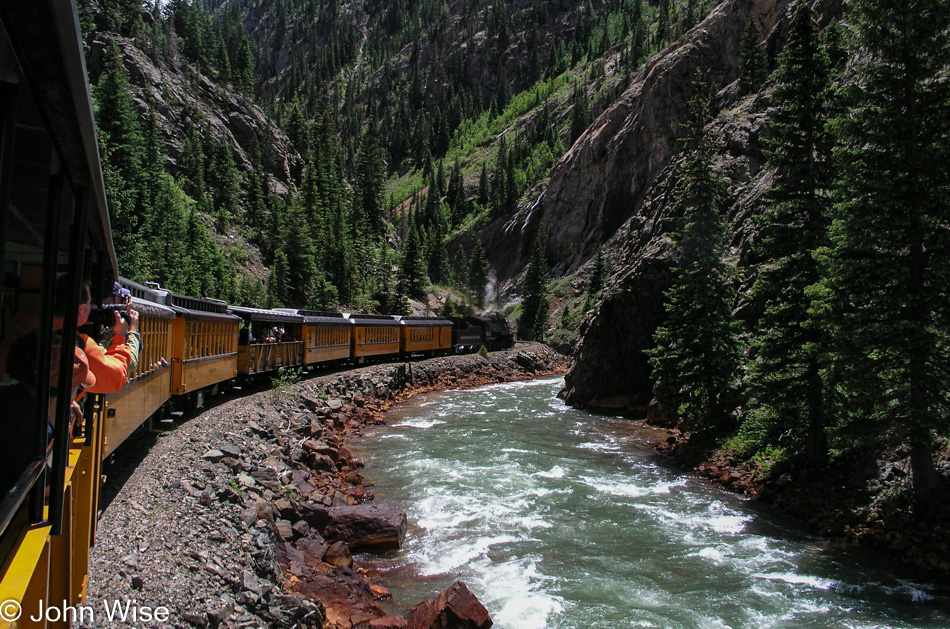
54, 224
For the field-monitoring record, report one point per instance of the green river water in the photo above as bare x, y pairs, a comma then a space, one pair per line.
558, 518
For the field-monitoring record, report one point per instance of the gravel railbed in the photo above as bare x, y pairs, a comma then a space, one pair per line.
186, 536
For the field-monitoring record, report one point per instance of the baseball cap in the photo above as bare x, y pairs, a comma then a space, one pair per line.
116, 290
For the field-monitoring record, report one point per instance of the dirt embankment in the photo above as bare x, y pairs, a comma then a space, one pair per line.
240, 515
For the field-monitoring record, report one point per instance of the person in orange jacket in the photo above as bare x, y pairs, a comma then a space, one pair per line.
109, 365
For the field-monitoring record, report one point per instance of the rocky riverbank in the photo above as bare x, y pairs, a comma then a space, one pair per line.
873, 509
245, 515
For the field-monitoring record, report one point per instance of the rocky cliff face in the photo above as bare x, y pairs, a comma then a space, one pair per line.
615, 186
181, 99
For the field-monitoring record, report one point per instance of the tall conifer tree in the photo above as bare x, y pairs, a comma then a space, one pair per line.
370, 173
753, 66
534, 303
123, 150
889, 264
786, 385
697, 351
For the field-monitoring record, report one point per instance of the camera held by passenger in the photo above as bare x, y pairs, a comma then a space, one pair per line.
103, 314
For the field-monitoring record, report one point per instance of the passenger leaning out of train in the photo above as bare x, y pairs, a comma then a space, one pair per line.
121, 299
110, 365
18, 400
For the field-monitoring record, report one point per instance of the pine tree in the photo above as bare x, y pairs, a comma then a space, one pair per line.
580, 113
478, 268
413, 278
199, 261
256, 192
277, 281
370, 173
301, 253
499, 184
123, 151
690, 20
534, 301
787, 388
483, 188
244, 67
456, 194
224, 183
663, 23
697, 351
598, 274
165, 234
752, 61
888, 270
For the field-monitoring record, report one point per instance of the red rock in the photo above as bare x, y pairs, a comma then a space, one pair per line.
338, 555
300, 529
388, 622
456, 607
313, 550
345, 594
377, 525
379, 592
284, 529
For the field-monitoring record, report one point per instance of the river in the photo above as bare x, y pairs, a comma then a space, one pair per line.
557, 518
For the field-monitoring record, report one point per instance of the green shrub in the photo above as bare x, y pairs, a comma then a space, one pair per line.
284, 381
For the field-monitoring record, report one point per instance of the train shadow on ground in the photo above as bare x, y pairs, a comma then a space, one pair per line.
121, 464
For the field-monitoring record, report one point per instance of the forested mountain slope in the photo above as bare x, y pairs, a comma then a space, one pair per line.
412, 127
716, 207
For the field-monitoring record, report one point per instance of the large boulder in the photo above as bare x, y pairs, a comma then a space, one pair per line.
455, 608
368, 526
362, 527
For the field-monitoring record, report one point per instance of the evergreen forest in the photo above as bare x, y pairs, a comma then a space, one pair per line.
802, 320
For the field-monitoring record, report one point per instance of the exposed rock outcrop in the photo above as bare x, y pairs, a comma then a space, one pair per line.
181, 100
617, 184
456, 607
361, 527
607, 176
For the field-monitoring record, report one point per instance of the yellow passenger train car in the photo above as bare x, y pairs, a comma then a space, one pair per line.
374, 336
327, 337
204, 346
54, 224
268, 340
150, 385
425, 335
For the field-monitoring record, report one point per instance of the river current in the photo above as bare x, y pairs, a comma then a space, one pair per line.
556, 518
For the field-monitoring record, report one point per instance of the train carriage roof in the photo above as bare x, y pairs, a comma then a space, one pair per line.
54, 69
152, 308
197, 308
151, 293
371, 320
320, 316
423, 321
265, 315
